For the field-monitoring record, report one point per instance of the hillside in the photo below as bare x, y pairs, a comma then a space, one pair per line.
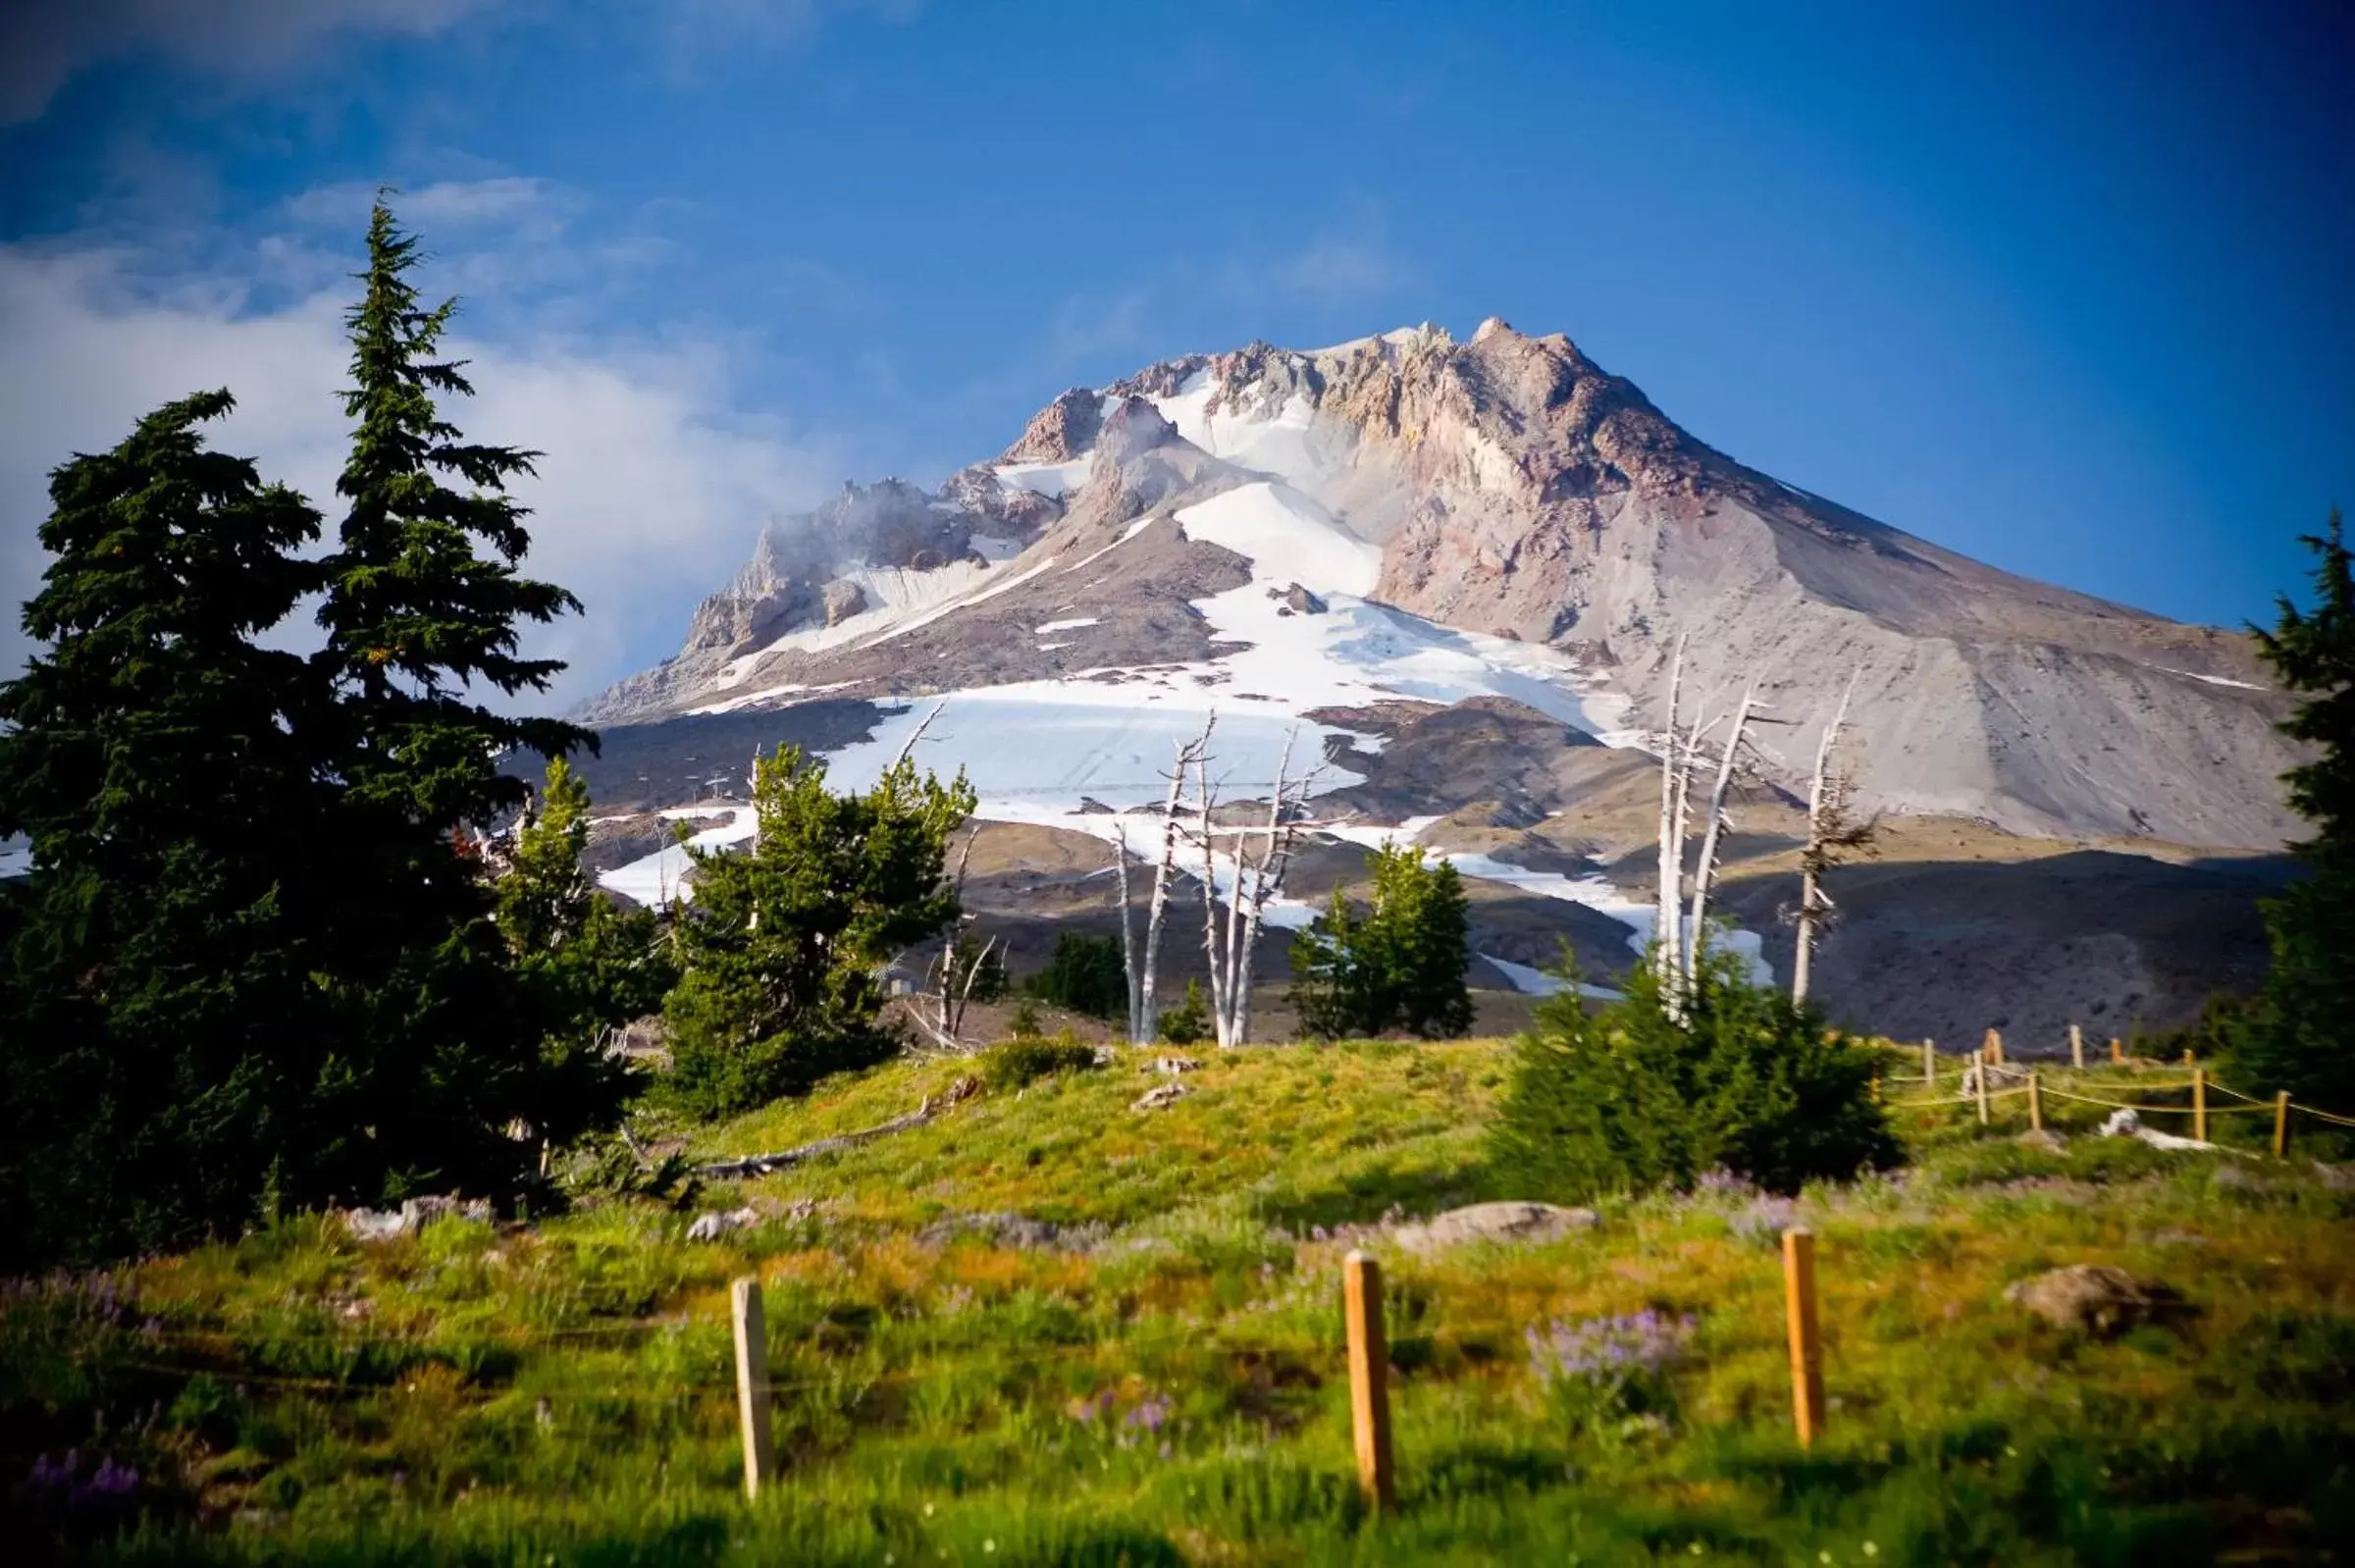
1045, 1328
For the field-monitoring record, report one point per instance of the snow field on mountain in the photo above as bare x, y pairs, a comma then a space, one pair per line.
657, 878
893, 594
1047, 478
1289, 442
1287, 536
1531, 981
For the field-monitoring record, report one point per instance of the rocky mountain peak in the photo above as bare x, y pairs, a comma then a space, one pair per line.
1060, 432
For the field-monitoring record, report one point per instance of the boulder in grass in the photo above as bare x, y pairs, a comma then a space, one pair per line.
718, 1222
413, 1215
1158, 1099
1509, 1222
1169, 1067
2096, 1298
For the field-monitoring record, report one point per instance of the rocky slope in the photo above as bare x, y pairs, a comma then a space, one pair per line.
1515, 488
1457, 571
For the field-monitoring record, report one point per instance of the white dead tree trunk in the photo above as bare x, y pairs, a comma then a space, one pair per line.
1147, 975
1267, 880
952, 1009
1829, 831
1705, 871
1128, 966
1245, 901
1210, 954
1685, 752
1668, 920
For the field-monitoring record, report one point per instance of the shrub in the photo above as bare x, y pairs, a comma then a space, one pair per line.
1013, 1064
1190, 1022
1628, 1099
1085, 975
1399, 964
783, 944
1025, 1024
1609, 1377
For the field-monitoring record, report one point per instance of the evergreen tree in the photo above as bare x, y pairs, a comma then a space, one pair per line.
440, 1036
415, 614
782, 948
1083, 974
1398, 966
2302, 1036
588, 964
1629, 1098
159, 1037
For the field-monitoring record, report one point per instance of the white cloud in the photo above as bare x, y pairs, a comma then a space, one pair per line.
506, 200
44, 43
649, 496
1342, 264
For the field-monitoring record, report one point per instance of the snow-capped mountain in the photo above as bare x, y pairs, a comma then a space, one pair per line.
1452, 574
1279, 533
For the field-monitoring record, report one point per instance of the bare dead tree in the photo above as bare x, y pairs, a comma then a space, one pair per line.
908, 747
1207, 799
1278, 841
1704, 871
1247, 900
952, 1015
1147, 1020
1832, 831
1667, 923
1685, 755
1120, 869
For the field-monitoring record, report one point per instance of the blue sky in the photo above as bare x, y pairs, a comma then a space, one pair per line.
2062, 287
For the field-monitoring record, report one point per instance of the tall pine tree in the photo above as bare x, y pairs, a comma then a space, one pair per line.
2302, 1037
424, 612
415, 614
158, 1037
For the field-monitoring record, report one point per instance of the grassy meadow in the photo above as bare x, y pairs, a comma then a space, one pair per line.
1152, 1371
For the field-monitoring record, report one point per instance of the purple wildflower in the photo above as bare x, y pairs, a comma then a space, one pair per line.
1092, 1409
1608, 1350
1763, 1220
1150, 1414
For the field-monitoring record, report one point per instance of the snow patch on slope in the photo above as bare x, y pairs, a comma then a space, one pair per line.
1287, 536
655, 879
1537, 982
1289, 442
1047, 478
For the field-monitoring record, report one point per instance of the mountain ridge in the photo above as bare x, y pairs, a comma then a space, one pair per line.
1514, 489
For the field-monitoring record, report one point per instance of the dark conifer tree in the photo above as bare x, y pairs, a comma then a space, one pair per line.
157, 1037
424, 611
415, 614
2301, 1037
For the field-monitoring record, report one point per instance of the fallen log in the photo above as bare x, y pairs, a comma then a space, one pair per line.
757, 1165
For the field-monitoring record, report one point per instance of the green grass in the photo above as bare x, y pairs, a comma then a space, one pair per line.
1169, 1387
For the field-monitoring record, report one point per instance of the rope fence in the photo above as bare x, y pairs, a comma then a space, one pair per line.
1987, 1063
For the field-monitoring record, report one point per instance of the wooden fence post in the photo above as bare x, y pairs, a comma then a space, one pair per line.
2076, 1047
2036, 1103
1981, 1071
2282, 1125
2199, 1102
1993, 1049
1369, 1378
2117, 1052
1807, 1344
752, 1386
1929, 1066
2187, 1056
1876, 1088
